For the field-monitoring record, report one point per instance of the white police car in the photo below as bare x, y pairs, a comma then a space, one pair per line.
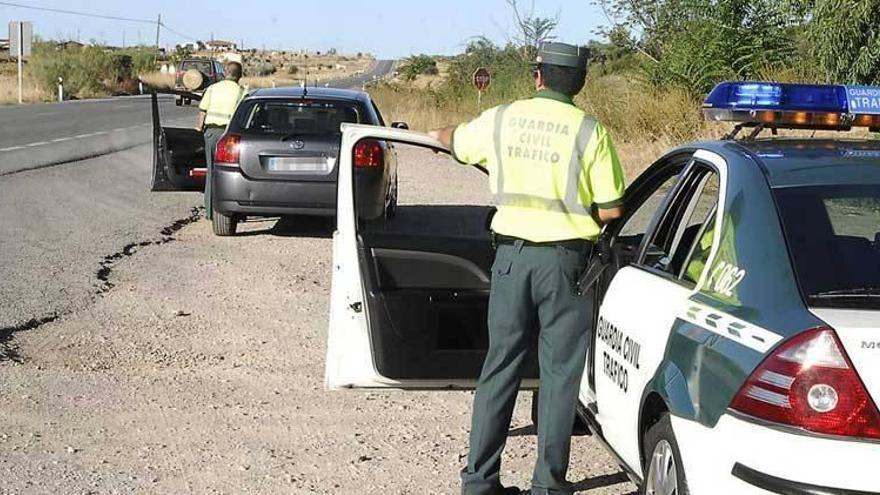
737, 342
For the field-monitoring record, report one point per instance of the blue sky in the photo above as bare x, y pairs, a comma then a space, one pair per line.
387, 28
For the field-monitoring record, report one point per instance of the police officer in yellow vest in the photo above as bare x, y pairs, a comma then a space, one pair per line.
556, 180
215, 111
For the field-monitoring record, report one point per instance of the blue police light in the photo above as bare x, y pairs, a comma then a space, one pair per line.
804, 106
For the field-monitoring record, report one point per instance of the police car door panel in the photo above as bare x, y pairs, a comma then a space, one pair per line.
621, 242
408, 306
178, 155
635, 320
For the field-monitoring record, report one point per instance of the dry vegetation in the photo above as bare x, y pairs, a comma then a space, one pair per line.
31, 91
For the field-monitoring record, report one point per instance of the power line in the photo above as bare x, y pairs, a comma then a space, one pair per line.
178, 33
99, 16
82, 14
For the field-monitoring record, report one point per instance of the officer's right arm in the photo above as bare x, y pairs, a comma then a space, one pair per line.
606, 177
472, 142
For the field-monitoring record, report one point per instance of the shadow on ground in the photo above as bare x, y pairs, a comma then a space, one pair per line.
306, 227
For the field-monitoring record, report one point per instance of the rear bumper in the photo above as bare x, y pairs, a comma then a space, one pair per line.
741, 457
779, 485
235, 194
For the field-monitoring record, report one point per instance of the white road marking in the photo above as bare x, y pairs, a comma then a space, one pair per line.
80, 136
38, 143
12, 148
61, 140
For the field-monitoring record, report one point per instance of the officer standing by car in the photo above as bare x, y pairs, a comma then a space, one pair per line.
556, 179
215, 111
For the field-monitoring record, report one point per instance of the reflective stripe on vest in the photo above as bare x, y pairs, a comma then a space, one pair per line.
571, 204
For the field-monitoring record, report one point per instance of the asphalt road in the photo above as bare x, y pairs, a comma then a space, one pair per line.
74, 191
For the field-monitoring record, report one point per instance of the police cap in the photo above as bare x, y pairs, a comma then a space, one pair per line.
563, 54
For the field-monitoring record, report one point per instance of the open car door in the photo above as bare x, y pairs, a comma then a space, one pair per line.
409, 297
178, 154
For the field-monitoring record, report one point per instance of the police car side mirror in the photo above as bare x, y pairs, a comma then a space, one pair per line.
400, 125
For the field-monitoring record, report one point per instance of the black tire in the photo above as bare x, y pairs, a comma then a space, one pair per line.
391, 207
223, 225
660, 441
578, 429
187, 101
178, 102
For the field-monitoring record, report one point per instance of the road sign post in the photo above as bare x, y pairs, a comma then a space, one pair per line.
482, 80
20, 36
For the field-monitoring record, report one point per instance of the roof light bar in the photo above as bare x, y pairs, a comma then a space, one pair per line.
795, 106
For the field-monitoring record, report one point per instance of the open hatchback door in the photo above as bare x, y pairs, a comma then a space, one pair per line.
410, 294
178, 154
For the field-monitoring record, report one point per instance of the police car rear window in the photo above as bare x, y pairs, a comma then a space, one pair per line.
834, 238
297, 116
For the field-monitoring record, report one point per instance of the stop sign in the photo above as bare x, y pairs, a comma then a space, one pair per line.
482, 78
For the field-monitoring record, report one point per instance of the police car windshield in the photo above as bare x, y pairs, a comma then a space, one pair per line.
295, 117
834, 236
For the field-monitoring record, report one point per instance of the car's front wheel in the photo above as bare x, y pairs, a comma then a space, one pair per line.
664, 472
223, 225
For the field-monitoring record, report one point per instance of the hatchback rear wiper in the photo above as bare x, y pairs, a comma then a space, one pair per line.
854, 292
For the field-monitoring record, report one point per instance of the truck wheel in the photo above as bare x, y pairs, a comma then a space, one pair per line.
178, 101
664, 472
187, 101
223, 225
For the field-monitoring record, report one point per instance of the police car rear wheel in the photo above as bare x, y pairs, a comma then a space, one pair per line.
664, 473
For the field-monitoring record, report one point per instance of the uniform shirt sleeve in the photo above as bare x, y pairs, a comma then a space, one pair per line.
205, 104
472, 141
607, 181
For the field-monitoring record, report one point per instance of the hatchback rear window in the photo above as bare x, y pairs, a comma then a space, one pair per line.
834, 236
297, 116
203, 66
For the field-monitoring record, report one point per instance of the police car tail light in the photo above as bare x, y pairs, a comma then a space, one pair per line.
810, 383
227, 151
369, 154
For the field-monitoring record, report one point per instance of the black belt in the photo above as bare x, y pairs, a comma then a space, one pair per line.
573, 244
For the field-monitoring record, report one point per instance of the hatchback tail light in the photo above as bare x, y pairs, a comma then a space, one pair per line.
227, 152
369, 154
810, 383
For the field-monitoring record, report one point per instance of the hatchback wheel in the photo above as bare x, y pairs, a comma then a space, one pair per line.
224, 225
664, 473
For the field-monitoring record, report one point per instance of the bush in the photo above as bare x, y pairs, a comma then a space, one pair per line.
418, 66
264, 69
292, 70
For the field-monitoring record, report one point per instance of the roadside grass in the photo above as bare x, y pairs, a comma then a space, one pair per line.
31, 91
158, 80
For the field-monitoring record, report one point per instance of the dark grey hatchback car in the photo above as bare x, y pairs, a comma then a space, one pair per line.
280, 156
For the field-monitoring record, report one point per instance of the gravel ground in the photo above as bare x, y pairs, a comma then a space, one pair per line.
198, 369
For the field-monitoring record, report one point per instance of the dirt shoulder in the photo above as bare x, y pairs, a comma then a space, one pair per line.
201, 371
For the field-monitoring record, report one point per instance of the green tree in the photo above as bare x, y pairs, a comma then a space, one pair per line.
845, 40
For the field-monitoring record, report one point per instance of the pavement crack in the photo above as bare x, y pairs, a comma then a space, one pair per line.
8, 351
167, 232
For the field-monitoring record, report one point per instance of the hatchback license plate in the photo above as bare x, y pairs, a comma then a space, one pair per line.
302, 165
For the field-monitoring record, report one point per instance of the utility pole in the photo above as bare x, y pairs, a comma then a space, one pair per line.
158, 28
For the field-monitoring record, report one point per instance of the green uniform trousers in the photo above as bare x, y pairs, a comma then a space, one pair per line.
212, 135
532, 299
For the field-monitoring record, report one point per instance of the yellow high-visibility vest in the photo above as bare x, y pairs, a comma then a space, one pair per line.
550, 165
220, 101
